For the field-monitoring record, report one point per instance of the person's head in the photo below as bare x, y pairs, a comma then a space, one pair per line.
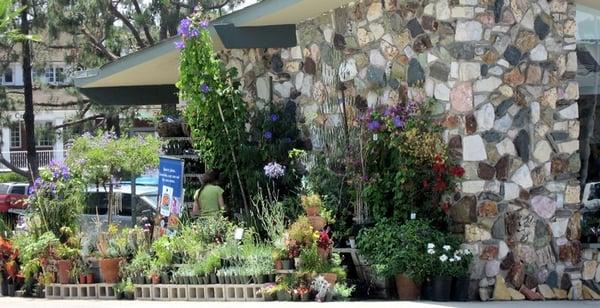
210, 177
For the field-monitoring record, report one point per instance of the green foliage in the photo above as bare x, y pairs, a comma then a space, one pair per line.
301, 231
140, 264
395, 249
7, 177
446, 259
219, 117
56, 200
343, 291
412, 173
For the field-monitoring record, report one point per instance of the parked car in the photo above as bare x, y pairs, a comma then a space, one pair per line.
95, 212
12, 196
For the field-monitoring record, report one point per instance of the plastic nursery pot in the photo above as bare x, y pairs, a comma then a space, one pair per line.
442, 288
164, 277
129, 296
259, 279
109, 269
64, 271
460, 289
426, 289
205, 280
287, 264
407, 288
284, 295
296, 297
155, 279
213, 278
305, 297
4, 288
89, 278
83, 279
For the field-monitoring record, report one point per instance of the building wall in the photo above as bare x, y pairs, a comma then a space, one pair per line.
503, 73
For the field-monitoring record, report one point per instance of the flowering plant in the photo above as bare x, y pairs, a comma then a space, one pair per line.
447, 259
274, 170
323, 241
55, 199
8, 256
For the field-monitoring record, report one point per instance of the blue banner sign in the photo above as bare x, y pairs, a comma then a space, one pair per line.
170, 186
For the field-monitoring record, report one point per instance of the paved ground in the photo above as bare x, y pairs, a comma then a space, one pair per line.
41, 303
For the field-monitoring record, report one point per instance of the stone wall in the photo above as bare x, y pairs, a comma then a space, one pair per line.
503, 72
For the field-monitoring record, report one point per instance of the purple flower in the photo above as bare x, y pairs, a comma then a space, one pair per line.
184, 27
398, 122
274, 117
180, 44
204, 88
274, 170
268, 135
194, 32
204, 24
374, 125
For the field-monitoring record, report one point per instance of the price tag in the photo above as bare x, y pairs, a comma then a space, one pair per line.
238, 234
375, 137
413, 216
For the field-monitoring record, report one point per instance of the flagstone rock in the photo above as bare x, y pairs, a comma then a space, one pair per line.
469, 71
375, 11
485, 117
522, 145
543, 206
485, 294
541, 27
474, 233
415, 75
576, 290
439, 71
469, 30
470, 124
552, 280
516, 295
560, 293
531, 295
531, 282
492, 268
512, 55
461, 97
574, 227
546, 291
589, 269
571, 112
474, 148
501, 292
542, 151
516, 275
503, 167
487, 85
589, 294
499, 229
523, 177
465, 210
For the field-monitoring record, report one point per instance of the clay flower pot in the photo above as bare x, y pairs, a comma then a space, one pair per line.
317, 222
323, 252
83, 279
109, 269
312, 211
407, 288
90, 278
155, 279
64, 271
330, 277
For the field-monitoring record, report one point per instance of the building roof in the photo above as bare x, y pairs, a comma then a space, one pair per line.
159, 64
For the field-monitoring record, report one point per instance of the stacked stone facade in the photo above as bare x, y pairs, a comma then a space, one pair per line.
503, 72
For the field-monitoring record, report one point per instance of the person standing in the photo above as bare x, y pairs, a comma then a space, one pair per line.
208, 200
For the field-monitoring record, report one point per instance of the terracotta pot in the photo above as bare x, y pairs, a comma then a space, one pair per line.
155, 279
83, 279
330, 277
278, 265
312, 211
317, 222
64, 271
90, 278
109, 269
407, 288
323, 252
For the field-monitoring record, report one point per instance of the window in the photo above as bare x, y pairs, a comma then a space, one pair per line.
49, 74
19, 190
7, 76
15, 135
45, 134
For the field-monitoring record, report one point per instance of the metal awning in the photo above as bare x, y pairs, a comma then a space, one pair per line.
157, 66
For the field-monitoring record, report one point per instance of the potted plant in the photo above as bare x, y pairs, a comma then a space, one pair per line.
312, 204
321, 287
324, 244
112, 247
129, 290
460, 267
268, 292
343, 292
66, 257
398, 251
439, 260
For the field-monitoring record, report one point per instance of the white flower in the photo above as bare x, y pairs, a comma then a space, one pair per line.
443, 258
466, 252
447, 247
458, 258
451, 259
430, 246
430, 251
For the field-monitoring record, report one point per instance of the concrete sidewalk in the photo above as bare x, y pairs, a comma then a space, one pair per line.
43, 303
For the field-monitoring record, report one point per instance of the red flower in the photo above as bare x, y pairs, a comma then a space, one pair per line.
445, 207
457, 171
439, 168
440, 185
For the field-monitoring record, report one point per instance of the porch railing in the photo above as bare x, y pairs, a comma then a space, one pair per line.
19, 158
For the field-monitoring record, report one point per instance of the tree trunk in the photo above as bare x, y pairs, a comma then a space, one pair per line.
28, 116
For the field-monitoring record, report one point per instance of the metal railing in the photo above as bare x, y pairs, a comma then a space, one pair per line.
19, 158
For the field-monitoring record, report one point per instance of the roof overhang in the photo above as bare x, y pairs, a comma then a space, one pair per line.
595, 4
159, 65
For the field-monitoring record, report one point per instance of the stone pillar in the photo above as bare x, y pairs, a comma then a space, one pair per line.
503, 72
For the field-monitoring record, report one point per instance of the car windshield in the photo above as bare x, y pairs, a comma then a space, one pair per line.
4, 188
